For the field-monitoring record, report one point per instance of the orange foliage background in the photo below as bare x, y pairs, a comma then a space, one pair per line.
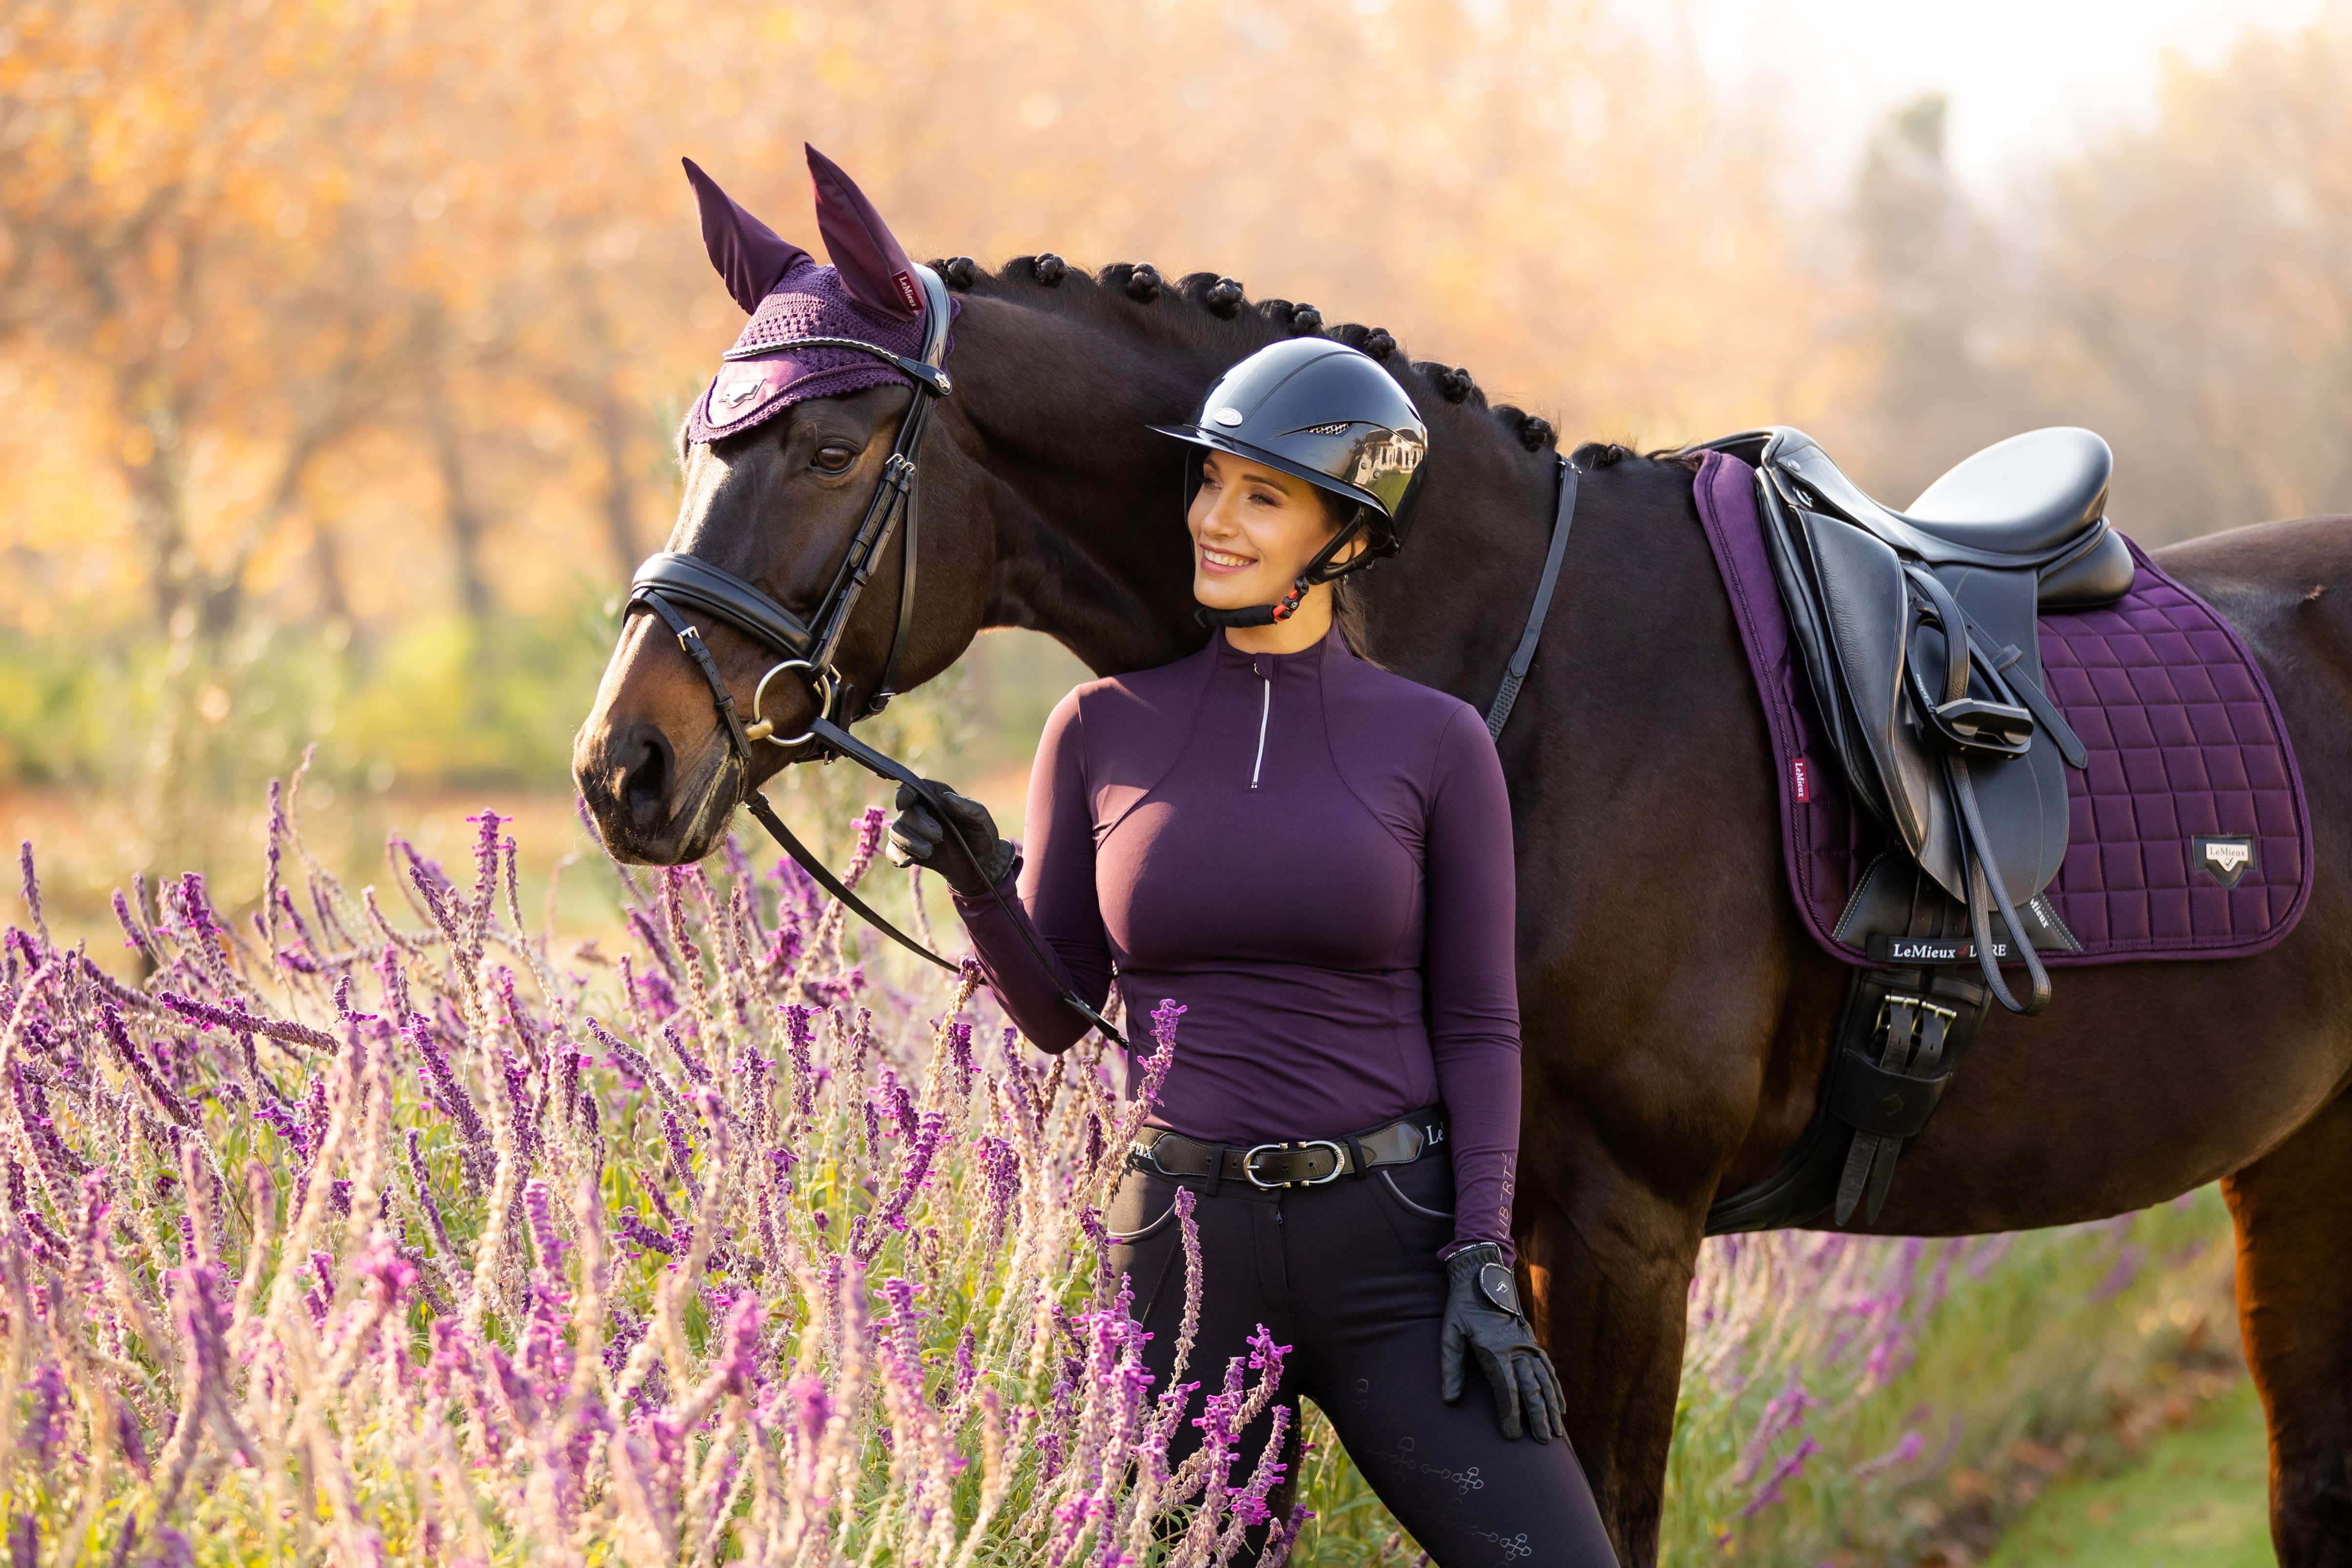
338, 315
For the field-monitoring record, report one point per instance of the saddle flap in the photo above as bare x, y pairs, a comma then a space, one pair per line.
1865, 611
2023, 800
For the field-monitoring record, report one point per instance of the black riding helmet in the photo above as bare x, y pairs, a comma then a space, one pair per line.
1328, 415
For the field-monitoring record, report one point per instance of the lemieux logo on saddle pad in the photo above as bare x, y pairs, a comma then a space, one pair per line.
2223, 859
1884, 949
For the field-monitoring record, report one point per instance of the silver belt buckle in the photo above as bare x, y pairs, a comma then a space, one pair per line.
1339, 1162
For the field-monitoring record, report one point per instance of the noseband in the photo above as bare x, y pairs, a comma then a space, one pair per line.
673, 578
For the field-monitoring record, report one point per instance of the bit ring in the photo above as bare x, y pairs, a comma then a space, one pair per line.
821, 685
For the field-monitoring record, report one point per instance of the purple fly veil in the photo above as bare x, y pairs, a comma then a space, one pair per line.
869, 293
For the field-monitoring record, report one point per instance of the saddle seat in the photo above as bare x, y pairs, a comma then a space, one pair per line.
2035, 501
2026, 496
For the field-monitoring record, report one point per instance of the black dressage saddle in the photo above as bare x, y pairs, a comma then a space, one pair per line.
1917, 632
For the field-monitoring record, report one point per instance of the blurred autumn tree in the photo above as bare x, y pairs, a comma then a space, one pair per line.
2180, 288
341, 342
2196, 297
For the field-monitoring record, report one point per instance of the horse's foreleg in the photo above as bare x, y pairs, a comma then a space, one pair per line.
1611, 1266
2294, 1210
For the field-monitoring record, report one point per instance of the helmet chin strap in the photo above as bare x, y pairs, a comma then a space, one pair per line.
1316, 571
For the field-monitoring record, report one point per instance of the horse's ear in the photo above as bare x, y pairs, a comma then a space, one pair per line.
748, 254
860, 245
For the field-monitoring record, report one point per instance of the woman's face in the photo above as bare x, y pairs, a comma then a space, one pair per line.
1254, 531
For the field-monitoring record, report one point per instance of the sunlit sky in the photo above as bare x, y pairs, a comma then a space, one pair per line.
2028, 79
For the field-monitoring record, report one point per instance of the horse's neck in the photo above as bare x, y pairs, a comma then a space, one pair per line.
1090, 542
1448, 610
1085, 501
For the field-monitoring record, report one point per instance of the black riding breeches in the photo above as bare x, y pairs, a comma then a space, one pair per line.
1347, 1275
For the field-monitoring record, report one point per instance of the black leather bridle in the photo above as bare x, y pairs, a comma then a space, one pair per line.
672, 578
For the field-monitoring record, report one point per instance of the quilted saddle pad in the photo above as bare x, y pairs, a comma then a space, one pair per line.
2187, 836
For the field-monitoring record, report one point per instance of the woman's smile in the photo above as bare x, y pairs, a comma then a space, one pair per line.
1222, 561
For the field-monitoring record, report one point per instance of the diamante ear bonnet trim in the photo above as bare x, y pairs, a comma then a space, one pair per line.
868, 293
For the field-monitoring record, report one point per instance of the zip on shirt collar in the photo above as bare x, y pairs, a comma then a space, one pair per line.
1264, 708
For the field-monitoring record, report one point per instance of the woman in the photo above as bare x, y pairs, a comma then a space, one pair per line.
1314, 856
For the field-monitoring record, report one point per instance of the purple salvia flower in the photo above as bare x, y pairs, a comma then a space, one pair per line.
1784, 1411
24, 1541
47, 1399
1904, 1453
538, 1213
897, 1102
31, 891
681, 1155
631, 1228
959, 1036
2130, 1259
119, 1036
446, 1092
1249, 1509
234, 1019
800, 1035
966, 1372
388, 1277
133, 937
129, 1439
1787, 1470
696, 1069
650, 937
423, 1178
869, 838
1278, 1545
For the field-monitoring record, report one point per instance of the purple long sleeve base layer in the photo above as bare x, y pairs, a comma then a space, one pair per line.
1314, 856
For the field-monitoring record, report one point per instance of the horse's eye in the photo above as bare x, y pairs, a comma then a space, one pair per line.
834, 458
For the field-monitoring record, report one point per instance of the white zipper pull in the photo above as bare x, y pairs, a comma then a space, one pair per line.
1265, 706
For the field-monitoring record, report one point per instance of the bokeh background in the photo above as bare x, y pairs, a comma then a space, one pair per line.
343, 344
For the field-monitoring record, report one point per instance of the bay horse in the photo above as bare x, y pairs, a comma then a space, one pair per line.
1677, 1018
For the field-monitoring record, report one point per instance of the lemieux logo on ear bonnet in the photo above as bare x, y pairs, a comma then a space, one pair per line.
869, 292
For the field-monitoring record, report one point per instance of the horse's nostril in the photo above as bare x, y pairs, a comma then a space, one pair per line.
645, 777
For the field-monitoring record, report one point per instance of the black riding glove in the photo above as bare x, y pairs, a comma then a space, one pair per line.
1483, 1312
965, 852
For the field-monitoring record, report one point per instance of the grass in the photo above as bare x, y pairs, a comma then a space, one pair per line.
2197, 1497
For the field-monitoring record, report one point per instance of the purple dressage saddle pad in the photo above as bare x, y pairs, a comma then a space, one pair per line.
2187, 836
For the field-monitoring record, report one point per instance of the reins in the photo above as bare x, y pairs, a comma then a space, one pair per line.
670, 578
810, 647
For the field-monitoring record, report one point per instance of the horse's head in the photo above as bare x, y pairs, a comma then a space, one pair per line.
784, 455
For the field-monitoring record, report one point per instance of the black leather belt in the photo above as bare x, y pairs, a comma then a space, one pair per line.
1305, 1161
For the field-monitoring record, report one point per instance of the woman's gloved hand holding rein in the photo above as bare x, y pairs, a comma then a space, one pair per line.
964, 850
1483, 1314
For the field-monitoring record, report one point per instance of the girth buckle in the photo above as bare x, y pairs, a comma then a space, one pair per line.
1339, 1162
